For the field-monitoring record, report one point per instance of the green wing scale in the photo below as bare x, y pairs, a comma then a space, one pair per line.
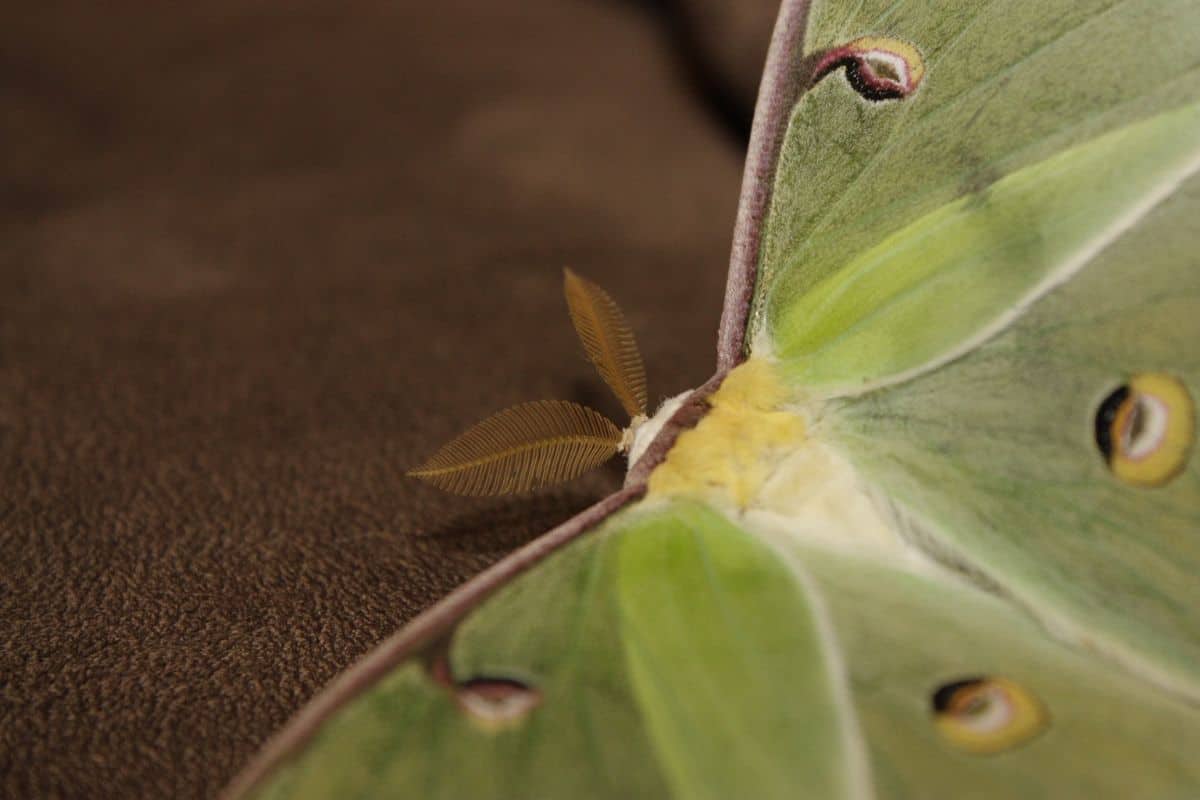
933, 529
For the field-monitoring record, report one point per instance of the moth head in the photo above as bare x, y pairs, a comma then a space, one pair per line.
544, 442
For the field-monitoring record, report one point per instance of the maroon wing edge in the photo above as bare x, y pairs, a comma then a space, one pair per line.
781, 85
785, 78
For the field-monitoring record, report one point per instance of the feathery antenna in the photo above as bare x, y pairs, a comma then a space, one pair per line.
550, 441
522, 448
608, 341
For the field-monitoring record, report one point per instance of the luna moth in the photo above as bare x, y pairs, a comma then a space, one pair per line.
933, 528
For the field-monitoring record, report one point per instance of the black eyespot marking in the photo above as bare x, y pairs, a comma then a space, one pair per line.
942, 697
1105, 415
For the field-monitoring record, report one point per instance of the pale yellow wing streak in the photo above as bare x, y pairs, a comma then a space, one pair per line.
608, 340
522, 448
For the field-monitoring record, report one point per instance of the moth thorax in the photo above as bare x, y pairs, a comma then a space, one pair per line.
643, 430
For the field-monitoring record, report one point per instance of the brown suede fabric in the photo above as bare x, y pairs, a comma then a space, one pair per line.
257, 258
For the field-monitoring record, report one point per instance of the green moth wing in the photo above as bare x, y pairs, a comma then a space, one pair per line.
931, 530
974, 267
995, 457
646, 650
671, 653
899, 232
904, 635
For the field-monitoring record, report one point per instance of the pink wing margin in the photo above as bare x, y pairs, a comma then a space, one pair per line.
784, 79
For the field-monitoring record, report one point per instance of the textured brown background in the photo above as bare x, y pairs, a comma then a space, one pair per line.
258, 257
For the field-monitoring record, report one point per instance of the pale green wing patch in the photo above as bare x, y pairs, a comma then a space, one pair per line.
1108, 734
667, 654
730, 661
955, 174
934, 289
994, 458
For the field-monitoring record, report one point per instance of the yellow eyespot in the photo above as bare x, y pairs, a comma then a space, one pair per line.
1145, 429
987, 715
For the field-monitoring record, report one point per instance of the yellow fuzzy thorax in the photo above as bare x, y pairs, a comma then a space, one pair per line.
738, 444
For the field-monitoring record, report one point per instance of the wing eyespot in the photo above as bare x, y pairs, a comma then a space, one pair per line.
877, 67
1145, 428
491, 703
496, 704
986, 715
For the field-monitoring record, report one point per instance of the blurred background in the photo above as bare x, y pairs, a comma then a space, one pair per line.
256, 259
